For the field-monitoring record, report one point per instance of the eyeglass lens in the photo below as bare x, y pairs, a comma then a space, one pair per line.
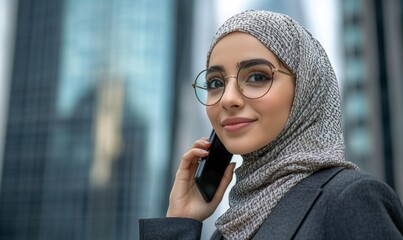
253, 81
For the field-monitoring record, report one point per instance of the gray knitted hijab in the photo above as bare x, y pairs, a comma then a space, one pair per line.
312, 138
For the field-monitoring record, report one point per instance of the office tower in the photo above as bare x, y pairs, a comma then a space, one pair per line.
371, 37
89, 123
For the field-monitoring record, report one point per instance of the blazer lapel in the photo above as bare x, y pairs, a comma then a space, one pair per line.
286, 218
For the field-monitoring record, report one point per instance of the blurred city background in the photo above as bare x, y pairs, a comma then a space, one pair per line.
96, 104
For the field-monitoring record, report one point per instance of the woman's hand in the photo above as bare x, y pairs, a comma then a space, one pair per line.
185, 199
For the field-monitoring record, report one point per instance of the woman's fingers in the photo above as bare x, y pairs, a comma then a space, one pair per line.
185, 198
198, 150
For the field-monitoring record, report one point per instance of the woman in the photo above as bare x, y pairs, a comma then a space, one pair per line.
273, 98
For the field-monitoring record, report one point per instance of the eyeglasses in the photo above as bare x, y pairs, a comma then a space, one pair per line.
254, 80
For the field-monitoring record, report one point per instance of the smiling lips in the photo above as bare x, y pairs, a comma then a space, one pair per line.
235, 124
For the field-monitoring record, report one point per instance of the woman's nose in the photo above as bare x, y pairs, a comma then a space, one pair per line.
231, 98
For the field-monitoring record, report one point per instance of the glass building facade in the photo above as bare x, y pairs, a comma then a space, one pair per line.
372, 54
89, 126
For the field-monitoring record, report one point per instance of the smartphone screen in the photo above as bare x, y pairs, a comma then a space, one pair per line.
211, 168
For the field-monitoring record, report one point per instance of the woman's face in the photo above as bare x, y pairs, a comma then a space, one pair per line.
245, 125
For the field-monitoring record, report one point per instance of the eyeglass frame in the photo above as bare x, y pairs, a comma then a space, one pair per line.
262, 61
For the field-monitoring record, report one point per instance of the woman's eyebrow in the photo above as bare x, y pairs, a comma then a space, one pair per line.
219, 68
253, 62
246, 63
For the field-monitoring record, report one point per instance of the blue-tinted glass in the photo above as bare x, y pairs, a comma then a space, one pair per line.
355, 71
356, 106
87, 144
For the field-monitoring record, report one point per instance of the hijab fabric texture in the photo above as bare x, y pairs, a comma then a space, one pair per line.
312, 138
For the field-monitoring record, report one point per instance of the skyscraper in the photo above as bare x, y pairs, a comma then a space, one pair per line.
372, 36
89, 124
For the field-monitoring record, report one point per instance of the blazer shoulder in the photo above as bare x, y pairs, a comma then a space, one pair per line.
372, 205
355, 187
351, 181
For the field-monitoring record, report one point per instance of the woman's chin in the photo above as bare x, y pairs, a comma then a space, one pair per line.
240, 150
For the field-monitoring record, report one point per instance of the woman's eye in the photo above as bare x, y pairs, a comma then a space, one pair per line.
258, 78
214, 84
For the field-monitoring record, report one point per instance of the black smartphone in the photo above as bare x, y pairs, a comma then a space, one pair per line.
211, 168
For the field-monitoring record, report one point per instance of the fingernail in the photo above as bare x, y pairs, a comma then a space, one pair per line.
203, 152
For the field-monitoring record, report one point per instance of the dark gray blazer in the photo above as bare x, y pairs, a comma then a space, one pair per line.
331, 204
